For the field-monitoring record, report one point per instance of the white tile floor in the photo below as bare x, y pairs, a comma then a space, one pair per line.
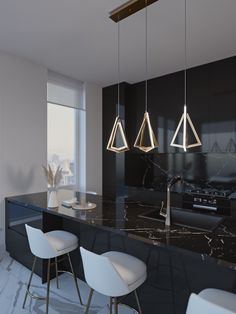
13, 279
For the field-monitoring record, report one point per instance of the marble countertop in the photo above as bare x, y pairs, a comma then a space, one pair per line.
122, 216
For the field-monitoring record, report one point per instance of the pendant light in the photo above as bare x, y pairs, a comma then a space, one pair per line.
118, 126
146, 124
185, 119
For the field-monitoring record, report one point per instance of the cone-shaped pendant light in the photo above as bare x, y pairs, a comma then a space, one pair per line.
151, 141
118, 132
185, 122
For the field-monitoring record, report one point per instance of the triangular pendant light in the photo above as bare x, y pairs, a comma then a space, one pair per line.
140, 142
118, 127
185, 119
183, 122
146, 124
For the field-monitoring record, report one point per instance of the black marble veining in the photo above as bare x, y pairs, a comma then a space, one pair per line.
198, 170
122, 216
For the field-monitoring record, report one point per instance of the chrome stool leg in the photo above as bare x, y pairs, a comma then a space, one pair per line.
48, 285
116, 305
138, 302
56, 266
29, 283
89, 301
75, 279
111, 305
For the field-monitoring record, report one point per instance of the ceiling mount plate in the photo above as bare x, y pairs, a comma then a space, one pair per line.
128, 8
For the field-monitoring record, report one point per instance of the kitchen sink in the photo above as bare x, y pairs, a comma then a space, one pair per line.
187, 218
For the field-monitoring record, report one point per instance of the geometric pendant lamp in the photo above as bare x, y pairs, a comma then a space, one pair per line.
117, 142
117, 130
151, 142
185, 122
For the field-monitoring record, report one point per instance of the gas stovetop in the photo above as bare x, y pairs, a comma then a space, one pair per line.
208, 199
211, 192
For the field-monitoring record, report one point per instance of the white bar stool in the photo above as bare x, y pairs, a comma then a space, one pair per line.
113, 274
212, 301
50, 245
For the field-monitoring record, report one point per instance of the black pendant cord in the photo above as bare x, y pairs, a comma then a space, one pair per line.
141, 142
146, 56
185, 49
185, 120
118, 69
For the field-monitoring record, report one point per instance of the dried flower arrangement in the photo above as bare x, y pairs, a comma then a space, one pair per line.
53, 178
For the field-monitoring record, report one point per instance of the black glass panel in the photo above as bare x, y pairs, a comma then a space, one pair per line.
154, 170
19, 216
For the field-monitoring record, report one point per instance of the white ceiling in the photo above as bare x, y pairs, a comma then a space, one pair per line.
76, 37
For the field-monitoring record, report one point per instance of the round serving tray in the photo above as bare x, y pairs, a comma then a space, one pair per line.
85, 206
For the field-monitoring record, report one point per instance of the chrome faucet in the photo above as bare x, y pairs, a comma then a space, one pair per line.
167, 212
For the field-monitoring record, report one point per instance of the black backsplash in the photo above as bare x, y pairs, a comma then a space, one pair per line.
152, 170
211, 100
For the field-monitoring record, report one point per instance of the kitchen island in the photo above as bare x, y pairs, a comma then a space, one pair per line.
180, 260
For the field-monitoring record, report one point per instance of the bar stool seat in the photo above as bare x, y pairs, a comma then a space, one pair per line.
131, 269
50, 245
113, 274
62, 241
212, 301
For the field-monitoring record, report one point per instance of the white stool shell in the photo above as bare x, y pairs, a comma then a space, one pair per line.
132, 270
113, 274
50, 245
62, 241
212, 301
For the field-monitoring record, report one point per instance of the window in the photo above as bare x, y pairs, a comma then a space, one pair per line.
66, 130
61, 140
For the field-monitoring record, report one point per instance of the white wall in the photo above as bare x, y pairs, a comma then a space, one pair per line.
23, 130
23, 127
93, 101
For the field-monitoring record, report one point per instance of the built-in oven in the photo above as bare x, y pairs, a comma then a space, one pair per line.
208, 200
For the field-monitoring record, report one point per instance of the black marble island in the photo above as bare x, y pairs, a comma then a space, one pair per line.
180, 260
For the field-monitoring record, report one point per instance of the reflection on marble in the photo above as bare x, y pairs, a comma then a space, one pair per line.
13, 279
197, 169
122, 216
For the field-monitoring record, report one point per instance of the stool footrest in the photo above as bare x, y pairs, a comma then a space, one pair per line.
34, 296
65, 271
125, 305
59, 260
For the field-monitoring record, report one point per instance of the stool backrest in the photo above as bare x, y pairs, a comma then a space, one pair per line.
101, 275
39, 244
198, 305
